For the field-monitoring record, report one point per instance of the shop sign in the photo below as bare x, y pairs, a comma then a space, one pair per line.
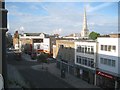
104, 74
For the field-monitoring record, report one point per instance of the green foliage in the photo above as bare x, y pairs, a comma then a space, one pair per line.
93, 35
42, 57
34, 58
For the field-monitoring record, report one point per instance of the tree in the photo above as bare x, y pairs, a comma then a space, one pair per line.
93, 35
42, 58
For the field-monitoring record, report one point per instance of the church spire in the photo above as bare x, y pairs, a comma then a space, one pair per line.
85, 20
85, 30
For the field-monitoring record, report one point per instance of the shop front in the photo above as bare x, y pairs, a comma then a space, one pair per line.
105, 80
85, 74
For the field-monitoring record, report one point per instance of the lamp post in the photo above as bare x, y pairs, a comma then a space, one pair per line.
3, 30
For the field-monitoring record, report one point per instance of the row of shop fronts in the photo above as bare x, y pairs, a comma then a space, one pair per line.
94, 77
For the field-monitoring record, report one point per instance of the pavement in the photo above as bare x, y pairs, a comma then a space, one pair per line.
51, 68
28, 58
15, 80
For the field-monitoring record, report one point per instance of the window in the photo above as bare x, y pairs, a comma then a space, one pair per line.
38, 46
113, 63
105, 61
101, 60
77, 59
82, 49
109, 48
88, 50
92, 64
92, 50
89, 63
85, 61
105, 47
101, 47
77, 48
85, 49
80, 59
109, 62
114, 47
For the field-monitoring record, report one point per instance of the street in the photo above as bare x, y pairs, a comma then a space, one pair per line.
37, 79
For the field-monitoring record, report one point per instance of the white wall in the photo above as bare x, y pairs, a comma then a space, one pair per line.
46, 44
16, 46
119, 55
94, 44
107, 54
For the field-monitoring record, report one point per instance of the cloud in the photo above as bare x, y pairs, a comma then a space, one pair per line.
57, 31
62, 0
62, 20
34, 7
98, 7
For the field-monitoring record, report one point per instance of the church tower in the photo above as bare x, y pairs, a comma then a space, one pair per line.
85, 31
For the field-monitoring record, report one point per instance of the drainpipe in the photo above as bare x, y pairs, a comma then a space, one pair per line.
3, 30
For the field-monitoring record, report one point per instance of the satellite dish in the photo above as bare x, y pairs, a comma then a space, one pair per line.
1, 82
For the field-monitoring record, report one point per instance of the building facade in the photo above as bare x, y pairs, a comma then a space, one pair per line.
39, 42
86, 59
64, 53
108, 71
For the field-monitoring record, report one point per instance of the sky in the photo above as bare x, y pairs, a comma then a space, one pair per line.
62, 18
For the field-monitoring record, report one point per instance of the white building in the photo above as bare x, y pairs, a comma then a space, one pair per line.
39, 41
85, 59
108, 71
